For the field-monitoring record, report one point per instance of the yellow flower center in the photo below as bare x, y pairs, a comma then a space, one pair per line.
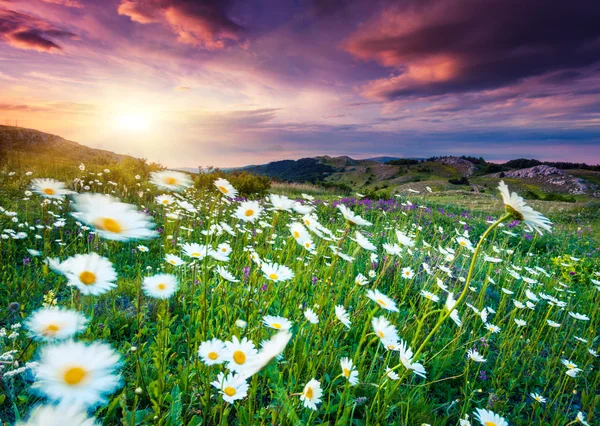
296, 234
346, 372
273, 276
249, 212
224, 249
223, 189
51, 329
463, 243
307, 245
380, 334
239, 357
74, 375
229, 391
491, 424
165, 201
309, 393
195, 254
49, 191
172, 262
108, 224
381, 303
276, 325
87, 277
161, 286
213, 355
170, 180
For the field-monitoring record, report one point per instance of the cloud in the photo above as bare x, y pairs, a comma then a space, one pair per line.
182, 88
28, 32
67, 3
53, 107
233, 121
451, 46
201, 23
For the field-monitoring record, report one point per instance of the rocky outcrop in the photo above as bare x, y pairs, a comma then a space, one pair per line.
464, 166
551, 175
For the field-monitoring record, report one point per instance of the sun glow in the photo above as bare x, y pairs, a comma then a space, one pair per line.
134, 122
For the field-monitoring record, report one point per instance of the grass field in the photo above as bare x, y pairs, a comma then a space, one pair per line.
521, 340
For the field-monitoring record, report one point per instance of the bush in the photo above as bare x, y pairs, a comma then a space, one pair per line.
246, 183
461, 181
403, 162
559, 197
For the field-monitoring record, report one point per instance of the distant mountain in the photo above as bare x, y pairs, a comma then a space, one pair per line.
302, 170
34, 142
382, 159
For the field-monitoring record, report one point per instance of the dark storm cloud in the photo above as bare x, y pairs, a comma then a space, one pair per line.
463, 45
28, 32
203, 23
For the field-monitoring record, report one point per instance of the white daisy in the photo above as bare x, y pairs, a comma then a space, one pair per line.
281, 202
160, 286
382, 300
226, 275
276, 272
364, 242
91, 273
311, 395
53, 323
348, 371
248, 211
474, 355
194, 250
232, 387
49, 188
239, 353
113, 219
212, 352
489, 418
76, 373
171, 180
164, 199
226, 188
351, 218
173, 259
342, 315
278, 323
311, 316
516, 206
58, 415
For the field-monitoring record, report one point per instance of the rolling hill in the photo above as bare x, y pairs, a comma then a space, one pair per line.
383, 175
30, 142
440, 173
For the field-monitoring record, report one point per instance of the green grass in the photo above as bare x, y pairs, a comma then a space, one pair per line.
174, 385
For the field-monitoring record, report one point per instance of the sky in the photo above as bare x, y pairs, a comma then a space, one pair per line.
228, 83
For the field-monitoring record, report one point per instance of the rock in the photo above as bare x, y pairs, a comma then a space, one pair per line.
551, 175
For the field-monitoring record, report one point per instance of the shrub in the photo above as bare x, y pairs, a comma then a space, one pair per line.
460, 181
246, 183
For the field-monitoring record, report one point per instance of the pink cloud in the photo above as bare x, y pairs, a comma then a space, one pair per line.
67, 3
204, 24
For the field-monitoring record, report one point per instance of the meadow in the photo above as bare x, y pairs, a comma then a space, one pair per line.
187, 305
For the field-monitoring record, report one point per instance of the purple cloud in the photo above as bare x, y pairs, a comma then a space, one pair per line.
28, 32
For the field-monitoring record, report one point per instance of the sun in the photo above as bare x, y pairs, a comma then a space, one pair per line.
134, 122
